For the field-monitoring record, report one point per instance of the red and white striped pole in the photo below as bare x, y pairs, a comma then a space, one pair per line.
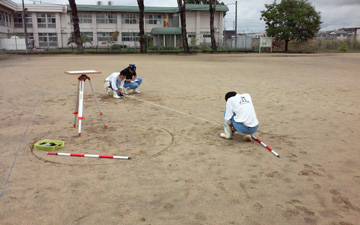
87, 155
267, 147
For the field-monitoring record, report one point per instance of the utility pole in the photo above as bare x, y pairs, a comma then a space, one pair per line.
24, 25
235, 24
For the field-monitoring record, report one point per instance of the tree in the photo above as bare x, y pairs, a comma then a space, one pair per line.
212, 8
80, 49
113, 38
291, 20
84, 39
181, 5
141, 26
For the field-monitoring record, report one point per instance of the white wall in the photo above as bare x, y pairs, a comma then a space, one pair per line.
13, 44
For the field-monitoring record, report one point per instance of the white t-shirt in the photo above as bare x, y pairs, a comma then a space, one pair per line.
242, 106
113, 78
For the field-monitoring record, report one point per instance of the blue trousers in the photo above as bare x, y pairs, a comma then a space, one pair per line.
241, 128
133, 85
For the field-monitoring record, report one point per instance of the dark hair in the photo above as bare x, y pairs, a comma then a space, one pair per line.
229, 95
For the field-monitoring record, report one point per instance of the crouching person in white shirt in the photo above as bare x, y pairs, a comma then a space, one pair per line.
239, 116
114, 85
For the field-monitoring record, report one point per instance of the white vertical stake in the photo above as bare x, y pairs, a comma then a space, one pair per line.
81, 103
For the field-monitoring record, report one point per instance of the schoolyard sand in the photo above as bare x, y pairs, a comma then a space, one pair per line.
181, 171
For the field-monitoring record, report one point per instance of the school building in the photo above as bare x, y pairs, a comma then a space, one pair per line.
50, 25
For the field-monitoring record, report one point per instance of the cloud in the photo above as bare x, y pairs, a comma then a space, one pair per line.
339, 17
335, 3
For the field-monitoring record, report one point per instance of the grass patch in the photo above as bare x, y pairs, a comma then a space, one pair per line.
3, 58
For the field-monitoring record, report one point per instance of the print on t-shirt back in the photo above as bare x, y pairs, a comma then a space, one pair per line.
243, 100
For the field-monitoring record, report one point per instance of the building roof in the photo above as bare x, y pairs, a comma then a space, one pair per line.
9, 4
148, 9
165, 30
42, 8
338, 32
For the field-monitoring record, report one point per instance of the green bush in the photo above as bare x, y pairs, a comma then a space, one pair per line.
193, 42
204, 47
344, 48
116, 46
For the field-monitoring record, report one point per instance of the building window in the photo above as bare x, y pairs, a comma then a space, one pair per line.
153, 19
106, 18
129, 18
30, 36
105, 36
7, 20
206, 36
88, 34
85, 18
48, 40
130, 36
18, 20
46, 20
191, 35
2, 18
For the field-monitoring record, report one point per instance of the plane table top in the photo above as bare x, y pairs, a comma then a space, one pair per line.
82, 72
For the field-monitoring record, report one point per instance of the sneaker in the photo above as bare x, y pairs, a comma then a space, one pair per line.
247, 137
116, 95
126, 90
223, 135
136, 91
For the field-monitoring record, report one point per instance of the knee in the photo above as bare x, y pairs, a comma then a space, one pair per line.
139, 80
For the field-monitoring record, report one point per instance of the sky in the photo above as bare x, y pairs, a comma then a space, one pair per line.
335, 14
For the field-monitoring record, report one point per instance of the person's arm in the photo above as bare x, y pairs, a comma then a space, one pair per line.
229, 113
128, 79
134, 77
113, 83
121, 86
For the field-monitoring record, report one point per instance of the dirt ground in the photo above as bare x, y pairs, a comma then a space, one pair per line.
181, 171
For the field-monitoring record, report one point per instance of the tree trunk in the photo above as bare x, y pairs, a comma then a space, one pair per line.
181, 5
286, 45
141, 26
80, 49
212, 6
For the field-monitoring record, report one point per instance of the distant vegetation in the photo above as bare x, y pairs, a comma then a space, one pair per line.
318, 45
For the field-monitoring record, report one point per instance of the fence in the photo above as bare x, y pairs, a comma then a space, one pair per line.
244, 44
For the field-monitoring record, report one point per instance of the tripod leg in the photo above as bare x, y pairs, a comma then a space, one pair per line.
81, 102
97, 103
77, 104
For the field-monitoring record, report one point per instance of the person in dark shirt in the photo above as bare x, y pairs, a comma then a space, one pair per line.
131, 80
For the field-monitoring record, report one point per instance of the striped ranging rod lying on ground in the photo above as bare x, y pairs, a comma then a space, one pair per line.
92, 156
267, 147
